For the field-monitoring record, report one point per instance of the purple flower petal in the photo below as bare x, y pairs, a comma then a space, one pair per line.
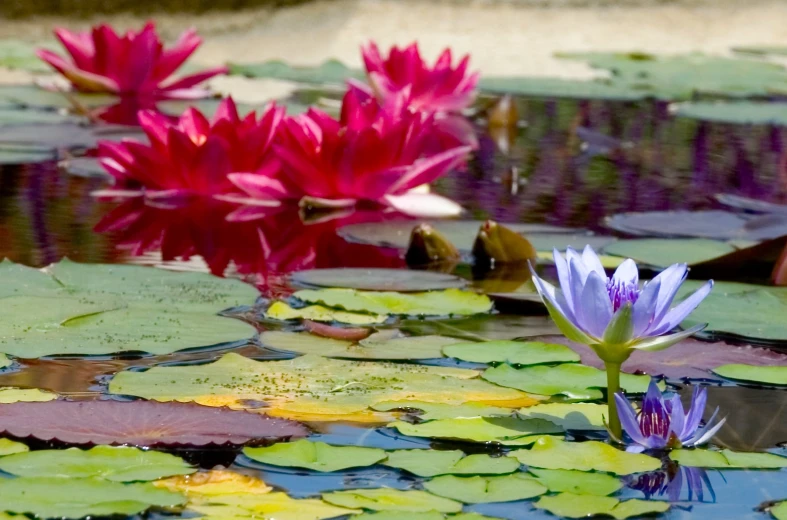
596, 307
707, 434
628, 418
644, 308
593, 263
670, 279
677, 417
626, 273
698, 400
679, 313
564, 277
557, 307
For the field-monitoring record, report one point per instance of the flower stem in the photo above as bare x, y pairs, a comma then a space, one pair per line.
613, 387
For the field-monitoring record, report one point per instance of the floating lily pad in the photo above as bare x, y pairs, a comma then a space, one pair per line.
749, 311
568, 505
711, 224
115, 463
779, 511
569, 379
699, 458
561, 88
317, 456
478, 490
401, 280
269, 506
9, 447
21, 154
513, 352
412, 347
141, 423
386, 499
739, 112
661, 252
569, 416
17, 54
769, 375
67, 135
26, 395
214, 483
331, 71
508, 431
762, 50
431, 463
578, 482
282, 311
15, 116
432, 411
553, 453
439, 303
54, 497
31, 96
4, 363
101, 309
431, 515
483, 327
298, 388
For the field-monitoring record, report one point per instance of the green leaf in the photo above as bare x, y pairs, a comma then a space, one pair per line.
268, 506
508, 431
25, 154
431, 463
331, 71
386, 499
298, 388
479, 490
699, 458
397, 515
769, 375
114, 463
440, 303
569, 416
513, 352
9, 447
431, 411
281, 311
413, 347
572, 380
4, 363
25, 395
578, 482
31, 96
738, 112
749, 311
663, 252
77, 498
568, 505
316, 456
561, 88
779, 511
101, 309
552, 453
16, 54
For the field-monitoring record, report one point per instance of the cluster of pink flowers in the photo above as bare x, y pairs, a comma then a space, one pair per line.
392, 139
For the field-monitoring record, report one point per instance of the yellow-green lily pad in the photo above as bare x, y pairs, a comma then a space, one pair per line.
577, 482
405, 347
268, 506
9, 447
317, 456
757, 374
513, 352
432, 411
569, 416
700, 458
508, 431
387, 499
10, 395
779, 511
431, 463
479, 490
282, 311
568, 505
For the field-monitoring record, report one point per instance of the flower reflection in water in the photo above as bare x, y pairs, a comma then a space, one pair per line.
265, 248
669, 482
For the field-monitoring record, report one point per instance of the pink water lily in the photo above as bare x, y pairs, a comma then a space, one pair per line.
374, 155
444, 87
135, 63
193, 155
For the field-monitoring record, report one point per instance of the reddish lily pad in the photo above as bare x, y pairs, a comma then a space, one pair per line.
689, 359
142, 423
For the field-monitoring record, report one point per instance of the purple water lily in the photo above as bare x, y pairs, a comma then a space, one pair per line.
663, 424
669, 482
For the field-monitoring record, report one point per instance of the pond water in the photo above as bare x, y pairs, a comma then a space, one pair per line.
564, 162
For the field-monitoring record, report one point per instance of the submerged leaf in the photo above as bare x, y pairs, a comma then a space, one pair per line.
281, 311
430, 463
508, 431
568, 505
317, 456
438, 303
141, 423
699, 458
117, 464
478, 490
552, 453
386, 499
513, 352
768, 375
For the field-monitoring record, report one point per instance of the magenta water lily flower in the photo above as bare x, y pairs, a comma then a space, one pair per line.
136, 63
663, 424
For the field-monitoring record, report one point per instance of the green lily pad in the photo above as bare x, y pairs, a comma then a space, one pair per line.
80, 497
16, 54
569, 416
739, 112
23, 154
100, 309
663, 252
397, 515
769, 375
755, 312
114, 463
535, 86
299, 388
578, 482
25, 395
386, 499
699, 458
513, 352
9, 447
779, 511
568, 505
369, 279
552, 453
31, 96
439, 303
412, 347
572, 380
13, 116
431, 463
480, 490
4, 363
508, 431
432, 411
267, 506
316, 456
763, 50
331, 72
282, 311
